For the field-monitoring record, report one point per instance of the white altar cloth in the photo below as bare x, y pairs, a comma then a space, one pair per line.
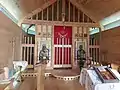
24, 64
90, 79
10, 74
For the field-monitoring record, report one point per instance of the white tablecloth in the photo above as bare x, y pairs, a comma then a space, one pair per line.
24, 64
90, 79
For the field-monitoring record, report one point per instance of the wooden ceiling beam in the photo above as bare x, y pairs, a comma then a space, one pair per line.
61, 23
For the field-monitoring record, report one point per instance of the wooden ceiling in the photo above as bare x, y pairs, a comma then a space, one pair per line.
98, 9
30, 5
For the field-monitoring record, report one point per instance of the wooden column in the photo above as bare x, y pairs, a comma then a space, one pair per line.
100, 39
73, 13
63, 7
72, 52
88, 44
28, 49
21, 39
53, 58
40, 77
58, 10
52, 12
78, 16
47, 14
31, 52
69, 12
35, 48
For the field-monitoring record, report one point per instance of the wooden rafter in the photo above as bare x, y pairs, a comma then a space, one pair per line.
40, 9
81, 16
82, 9
61, 23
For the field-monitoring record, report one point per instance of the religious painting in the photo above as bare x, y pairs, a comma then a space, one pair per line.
44, 50
80, 46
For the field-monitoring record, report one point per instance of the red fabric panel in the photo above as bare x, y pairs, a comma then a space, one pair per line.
59, 33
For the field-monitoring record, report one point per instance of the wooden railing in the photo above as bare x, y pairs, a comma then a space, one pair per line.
28, 50
94, 50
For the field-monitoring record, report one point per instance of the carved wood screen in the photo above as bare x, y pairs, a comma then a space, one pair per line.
62, 46
94, 48
28, 43
51, 14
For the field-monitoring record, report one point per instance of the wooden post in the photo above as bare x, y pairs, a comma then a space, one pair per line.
72, 53
42, 14
88, 45
100, 38
83, 17
52, 12
53, 58
78, 16
35, 48
69, 12
40, 77
25, 49
47, 32
58, 10
63, 7
21, 42
73, 13
31, 52
47, 14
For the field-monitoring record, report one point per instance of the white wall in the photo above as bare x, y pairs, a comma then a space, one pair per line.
10, 43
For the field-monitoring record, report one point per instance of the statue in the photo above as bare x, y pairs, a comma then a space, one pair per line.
81, 56
44, 53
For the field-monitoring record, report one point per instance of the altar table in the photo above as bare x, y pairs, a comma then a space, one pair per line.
91, 81
9, 76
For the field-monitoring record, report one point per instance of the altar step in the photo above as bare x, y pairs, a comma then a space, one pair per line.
60, 77
64, 74
61, 74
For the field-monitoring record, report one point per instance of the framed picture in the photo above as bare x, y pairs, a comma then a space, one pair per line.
79, 44
44, 50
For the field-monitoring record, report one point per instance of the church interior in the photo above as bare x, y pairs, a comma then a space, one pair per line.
60, 44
